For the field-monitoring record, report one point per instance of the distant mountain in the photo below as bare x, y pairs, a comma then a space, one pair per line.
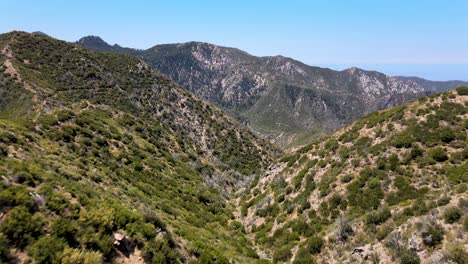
97, 43
283, 99
435, 86
40, 33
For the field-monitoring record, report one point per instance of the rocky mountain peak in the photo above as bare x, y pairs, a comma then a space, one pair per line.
353, 70
91, 39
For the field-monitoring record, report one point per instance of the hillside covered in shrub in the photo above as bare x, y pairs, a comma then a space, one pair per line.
104, 159
390, 188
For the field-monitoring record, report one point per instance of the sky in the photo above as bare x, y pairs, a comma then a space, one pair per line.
426, 38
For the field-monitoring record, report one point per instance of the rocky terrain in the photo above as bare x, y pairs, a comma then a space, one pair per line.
282, 99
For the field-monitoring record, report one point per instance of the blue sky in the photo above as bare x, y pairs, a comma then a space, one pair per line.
414, 37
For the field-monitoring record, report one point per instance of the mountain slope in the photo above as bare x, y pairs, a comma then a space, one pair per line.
104, 159
281, 98
391, 187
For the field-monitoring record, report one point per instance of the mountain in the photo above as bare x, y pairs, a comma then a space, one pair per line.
389, 188
282, 99
104, 159
436, 86
97, 43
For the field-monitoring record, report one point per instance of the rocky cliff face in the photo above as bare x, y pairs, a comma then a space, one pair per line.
281, 98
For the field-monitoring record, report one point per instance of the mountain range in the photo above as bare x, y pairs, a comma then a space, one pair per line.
103, 159
283, 100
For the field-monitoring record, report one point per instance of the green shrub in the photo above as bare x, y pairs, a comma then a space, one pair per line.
77, 256
452, 215
16, 195
393, 161
282, 254
402, 140
415, 152
443, 200
160, 250
21, 227
405, 191
4, 251
378, 217
303, 257
462, 90
300, 227
446, 135
141, 230
237, 226
332, 145
458, 174
365, 192
438, 154
457, 254
346, 178
48, 249
433, 236
66, 229
383, 231
26, 178
408, 256
314, 244
56, 202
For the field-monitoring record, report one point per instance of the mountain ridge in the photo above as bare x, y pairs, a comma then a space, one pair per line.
280, 98
83, 41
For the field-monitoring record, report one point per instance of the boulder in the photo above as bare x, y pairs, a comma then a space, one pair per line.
123, 244
38, 199
363, 252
